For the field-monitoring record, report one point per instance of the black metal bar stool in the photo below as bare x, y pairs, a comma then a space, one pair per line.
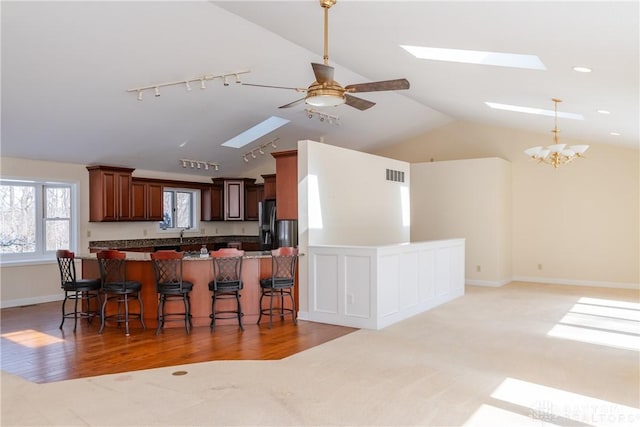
167, 267
226, 283
116, 287
82, 291
281, 283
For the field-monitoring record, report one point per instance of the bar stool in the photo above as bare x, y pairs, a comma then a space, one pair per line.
83, 290
116, 287
167, 268
281, 282
226, 283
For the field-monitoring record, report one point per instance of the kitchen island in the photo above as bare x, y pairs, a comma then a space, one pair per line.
198, 270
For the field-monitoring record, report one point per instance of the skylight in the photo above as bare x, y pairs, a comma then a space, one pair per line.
257, 131
514, 60
532, 110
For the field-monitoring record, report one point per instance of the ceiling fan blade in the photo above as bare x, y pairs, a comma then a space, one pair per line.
359, 103
297, 89
323, 73
397, 84
291, 104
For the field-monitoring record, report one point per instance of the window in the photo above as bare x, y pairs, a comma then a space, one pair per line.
36, 219
180, 207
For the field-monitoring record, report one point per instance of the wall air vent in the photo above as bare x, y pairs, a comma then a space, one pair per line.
394, 175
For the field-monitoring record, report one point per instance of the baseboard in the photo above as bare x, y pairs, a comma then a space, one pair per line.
490, 283
593, 283
30, 301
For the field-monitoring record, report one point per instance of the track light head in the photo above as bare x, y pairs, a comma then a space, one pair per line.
216, 167
188, 86
202, 85
226, 81
139, 95
238, 79
157, 91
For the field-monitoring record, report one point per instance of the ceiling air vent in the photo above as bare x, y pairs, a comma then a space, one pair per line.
396, 176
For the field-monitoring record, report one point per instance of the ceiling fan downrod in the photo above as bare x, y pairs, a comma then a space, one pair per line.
326, 5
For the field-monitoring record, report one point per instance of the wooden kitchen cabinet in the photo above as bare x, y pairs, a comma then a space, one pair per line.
286, 184
109, 193
253, 195
146, 200
269, 186
212, 208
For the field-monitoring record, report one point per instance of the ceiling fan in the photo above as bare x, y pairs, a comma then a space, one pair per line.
326, 92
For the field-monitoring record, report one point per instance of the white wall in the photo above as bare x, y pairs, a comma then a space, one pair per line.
344, 198
470, 199
580, 223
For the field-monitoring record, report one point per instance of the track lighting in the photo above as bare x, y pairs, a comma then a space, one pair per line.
259, 149
322, 116
199, 164
202, 79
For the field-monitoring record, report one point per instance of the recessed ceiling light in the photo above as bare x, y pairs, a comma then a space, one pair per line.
604, 112
513, 60
615, 133
582, 69
532, 110
255, 132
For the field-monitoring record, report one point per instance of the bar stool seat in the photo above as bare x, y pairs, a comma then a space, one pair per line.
280, 284
116, 287
167, 267
226, 284
83, 291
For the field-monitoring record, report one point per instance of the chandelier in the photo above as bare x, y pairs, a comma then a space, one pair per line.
556, 154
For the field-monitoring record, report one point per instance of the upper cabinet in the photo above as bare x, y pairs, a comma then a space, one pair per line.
109, 193
253, 195
231, 199
286, 184
269, 186
212, 208
146, 200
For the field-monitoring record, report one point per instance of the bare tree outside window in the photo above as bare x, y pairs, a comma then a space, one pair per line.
179, 209
35, 218
18, 214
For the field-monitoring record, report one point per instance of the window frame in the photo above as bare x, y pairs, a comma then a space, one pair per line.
195, 209
41, 255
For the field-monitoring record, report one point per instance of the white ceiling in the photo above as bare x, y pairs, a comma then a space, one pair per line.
66, 67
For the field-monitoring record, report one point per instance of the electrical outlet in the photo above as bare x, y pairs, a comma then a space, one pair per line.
202, 231
88, 233
242, 230
478, 269
144, 232
216, 230
539, 266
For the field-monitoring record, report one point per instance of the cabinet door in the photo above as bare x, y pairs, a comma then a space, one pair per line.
109, 203
269, 187
234, 200
211, 207
155, 202
123, 198
138, 201
252, 197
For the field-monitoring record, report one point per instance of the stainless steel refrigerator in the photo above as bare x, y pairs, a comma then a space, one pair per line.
267, 224
287, 233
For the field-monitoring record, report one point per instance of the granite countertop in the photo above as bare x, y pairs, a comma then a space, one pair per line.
169, 241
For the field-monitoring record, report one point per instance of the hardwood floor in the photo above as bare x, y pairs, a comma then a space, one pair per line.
35, 349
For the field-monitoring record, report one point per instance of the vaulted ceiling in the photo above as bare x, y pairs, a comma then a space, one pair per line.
66, 68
